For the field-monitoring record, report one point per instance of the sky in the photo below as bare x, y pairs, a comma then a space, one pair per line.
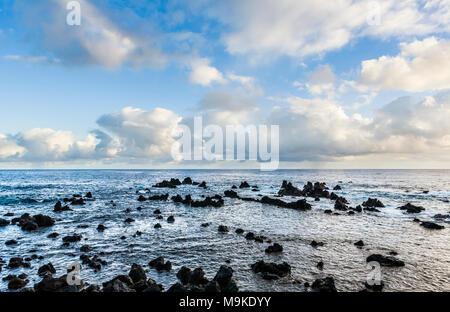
356, 84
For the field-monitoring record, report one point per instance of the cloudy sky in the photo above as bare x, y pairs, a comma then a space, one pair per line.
355, 84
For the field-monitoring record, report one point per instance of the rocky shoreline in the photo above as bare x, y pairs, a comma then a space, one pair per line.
193, 280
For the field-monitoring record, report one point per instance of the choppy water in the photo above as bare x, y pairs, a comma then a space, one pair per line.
425, 252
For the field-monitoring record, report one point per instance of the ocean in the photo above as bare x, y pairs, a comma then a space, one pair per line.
185, 242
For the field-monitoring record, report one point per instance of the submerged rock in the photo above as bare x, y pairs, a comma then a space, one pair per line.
387, 261
359, 243
160, 265
411, 208
373, 203
324, 285
244, 185
431, 225
271, 270
274, 248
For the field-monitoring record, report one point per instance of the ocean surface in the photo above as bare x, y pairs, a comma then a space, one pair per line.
426, 253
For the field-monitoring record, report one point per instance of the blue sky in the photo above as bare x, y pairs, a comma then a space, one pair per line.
327, 73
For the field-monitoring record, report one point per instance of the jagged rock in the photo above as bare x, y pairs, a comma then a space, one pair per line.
359, 243
101, 228
317, 244
137, 273
203, 184
17, 283
274, 248
88, 195
287, 189
320, 265
431, 226
224, 277
157, 226
11, 242
160, 265
129, 220
187, 180
51, 284
46, 269
222, 229
244, 185
16, 262
373, 203
271, 270
231, 194
324, 285
337, 188
198, 277
298, 205
387, 261
339, 205
60, 208
4, 222
171, 219
184, 275
72, 238
142, 198
411, 208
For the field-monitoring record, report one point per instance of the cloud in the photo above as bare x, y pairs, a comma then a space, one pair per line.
31, 59
204, 74
265, 28
420, 66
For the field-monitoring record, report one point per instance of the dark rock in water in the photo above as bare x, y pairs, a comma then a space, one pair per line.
337, 188
60, 208
411, 208
88, 195
198, 277
371, 209
244, 185
72, 238
159, 197
250, 236
142, 198
234, 187
187, 180
416, 220
324, 285
359, 243
373, 203
93, 262
8, 214
160, 265
298, 205
77, 201
320, 265
223, 229
317, 244
393, 253
139, 208
386, 261
224, 277
184, 275
315, 190
11, 242
173, 183
53, 235
157, 211
358, 208
206, 224
137, 273
17, 283
157, 226
51, 284
287, 189
3, 222
441, 216
215, 201
375, 287
101, 228
121, 283
129, 220
431, 225
317, 199
43, 221
239, 231
328, 211
171, 219
17, 262
231, 194
85, 248
271, 270
46, 269
339, 205
274, 248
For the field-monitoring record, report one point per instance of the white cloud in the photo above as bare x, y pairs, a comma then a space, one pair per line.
204, 74
421, 65
299, 28
31, 59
